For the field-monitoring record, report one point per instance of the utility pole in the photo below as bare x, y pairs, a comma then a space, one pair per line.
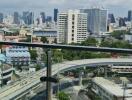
48, 84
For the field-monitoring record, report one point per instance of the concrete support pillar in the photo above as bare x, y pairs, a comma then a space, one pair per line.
105, 72
80, 78
98, 71
58, 76
84, 68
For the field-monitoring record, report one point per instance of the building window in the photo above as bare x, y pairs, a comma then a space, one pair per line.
72, 39
73, 17
72, 34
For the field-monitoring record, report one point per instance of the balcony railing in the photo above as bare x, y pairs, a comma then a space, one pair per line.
69, 47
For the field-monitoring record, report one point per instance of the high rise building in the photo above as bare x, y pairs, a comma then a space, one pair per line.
121, 22
1, 17
97, 20
28, 18
111, 18
8, 20
130, 15
49, 19
42, 14
16, 18
72, 27
55, 14
62, 27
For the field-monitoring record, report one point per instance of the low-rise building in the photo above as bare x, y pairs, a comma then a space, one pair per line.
121, 69
108, 90
6, 70
18, 55
128, 37
50, 34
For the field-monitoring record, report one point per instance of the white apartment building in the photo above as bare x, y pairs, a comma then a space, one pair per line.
72, 27
62, 27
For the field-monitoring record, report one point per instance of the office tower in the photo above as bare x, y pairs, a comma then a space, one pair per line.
42, 14
31, 18
25, 14
121, 22
111, 18
72, 27
125, 19
16, 18
39, 21
49, 19
1, 17
97, 20
55, 14
130, 15
103, 20
28, 18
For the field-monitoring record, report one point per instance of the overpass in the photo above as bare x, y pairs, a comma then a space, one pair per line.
16, 90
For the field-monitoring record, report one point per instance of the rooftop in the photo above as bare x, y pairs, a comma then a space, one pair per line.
111, 87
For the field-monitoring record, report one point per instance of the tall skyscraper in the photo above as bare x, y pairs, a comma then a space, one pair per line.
111, 18
55, 14
130, 15
72, 27
1, 17
97, 20
49, 19
42, 14
121, 22
28, 18
16, 18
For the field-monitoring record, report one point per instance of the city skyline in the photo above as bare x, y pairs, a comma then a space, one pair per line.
48, 5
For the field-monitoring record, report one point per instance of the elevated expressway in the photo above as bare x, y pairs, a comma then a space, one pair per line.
16, 90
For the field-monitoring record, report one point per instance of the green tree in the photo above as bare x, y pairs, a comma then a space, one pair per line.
38, 67
63, 96
44, 39
33, 54
90, 42
120, 44
119, 34
57, 56
106, 43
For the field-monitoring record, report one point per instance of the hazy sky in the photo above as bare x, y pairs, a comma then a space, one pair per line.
118, 7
